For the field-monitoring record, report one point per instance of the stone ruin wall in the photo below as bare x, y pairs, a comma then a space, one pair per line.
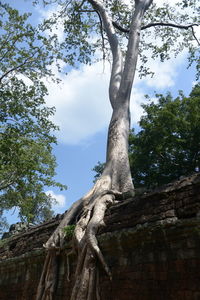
151, 244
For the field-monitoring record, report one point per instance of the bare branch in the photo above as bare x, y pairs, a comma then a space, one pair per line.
193, 33
101, 28
119, 27
102, 35
169, 25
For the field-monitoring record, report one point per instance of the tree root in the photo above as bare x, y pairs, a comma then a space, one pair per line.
48, 278
91, 210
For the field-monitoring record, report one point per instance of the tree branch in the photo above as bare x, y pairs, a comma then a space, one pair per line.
6, 41
16, 67
125, 30
193, 33
102, 36
117, 65
11, 70
132, 50
169, 25
120, 28
13, 44
6, 183
101, 27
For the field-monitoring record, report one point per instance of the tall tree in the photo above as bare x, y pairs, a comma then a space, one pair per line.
27, 164
113, 20
167, 146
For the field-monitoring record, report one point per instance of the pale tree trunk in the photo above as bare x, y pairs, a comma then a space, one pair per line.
117, 163
116, 178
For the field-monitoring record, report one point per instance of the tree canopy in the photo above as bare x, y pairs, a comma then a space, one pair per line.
27, 164
167, 29
167, 146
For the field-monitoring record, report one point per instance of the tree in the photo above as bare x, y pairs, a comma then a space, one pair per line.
168, 144
113, 20
27, 164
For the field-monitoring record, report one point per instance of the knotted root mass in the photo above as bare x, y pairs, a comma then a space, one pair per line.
90, 211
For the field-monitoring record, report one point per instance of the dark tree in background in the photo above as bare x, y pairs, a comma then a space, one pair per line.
168, 143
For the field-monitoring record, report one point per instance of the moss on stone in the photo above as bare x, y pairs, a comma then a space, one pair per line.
69, 231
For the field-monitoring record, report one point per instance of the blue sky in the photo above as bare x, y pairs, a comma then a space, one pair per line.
83, 112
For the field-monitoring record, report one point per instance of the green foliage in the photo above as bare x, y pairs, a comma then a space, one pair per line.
98, 169
84, 35
25, 49
27, 164
69, 231
169, 41
168, 143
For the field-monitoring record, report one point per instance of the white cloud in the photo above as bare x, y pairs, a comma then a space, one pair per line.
164, 77
25, 79
137, 98
164, 72
60, 199
81, 100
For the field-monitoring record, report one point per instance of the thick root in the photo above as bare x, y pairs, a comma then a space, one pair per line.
94, 224
53, 246
85, 278
56, 240
48, 278
91, 211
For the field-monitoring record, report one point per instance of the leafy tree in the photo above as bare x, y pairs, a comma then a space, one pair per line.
27, 164
98, 169
97, 24
168, 144
25, 50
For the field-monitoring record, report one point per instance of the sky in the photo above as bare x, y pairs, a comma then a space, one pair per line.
83, 112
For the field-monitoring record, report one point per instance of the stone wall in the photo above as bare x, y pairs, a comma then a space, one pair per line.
151, 244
